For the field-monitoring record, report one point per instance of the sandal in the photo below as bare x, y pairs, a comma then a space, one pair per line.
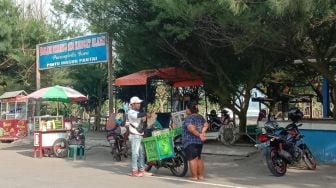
201, 178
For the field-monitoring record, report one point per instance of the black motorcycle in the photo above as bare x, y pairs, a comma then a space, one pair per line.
177, 164
77, 136
283, 146
118, 145
214, 123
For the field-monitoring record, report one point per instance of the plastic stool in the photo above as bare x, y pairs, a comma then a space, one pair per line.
76, 149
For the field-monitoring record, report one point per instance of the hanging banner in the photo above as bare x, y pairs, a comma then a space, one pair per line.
76, 51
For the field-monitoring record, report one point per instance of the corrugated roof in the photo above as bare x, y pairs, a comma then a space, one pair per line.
12, 94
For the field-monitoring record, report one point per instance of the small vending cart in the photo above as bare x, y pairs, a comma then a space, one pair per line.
51, 132
13, 119
50, 136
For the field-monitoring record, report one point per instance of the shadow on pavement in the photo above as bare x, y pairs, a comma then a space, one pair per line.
233, 171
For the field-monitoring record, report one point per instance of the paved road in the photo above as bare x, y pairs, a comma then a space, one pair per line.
19, 169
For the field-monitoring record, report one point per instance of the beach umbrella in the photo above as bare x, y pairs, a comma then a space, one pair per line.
57, 93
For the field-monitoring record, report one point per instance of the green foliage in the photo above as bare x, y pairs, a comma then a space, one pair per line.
233, 45
215, 39
92, 81
8, 18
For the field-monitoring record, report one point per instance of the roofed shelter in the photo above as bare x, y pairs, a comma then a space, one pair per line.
175, 76
13, 96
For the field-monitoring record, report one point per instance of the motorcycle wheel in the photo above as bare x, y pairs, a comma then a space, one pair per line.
117, 157
125, 150
115, 153
60, 148
275, 163
308, 159
180, 165
149, 166
126, 154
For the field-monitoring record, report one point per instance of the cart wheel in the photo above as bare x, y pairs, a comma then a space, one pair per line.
60, 148
228, 135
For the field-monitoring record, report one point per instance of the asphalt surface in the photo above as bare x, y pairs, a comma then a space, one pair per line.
20, 169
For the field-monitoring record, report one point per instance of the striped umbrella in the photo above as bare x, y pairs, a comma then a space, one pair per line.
57, 93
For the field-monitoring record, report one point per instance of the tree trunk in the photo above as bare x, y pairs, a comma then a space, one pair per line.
241, 110
99, 106
97, 117
243, 113
242, 121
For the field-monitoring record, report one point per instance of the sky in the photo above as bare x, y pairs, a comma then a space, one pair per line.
38, 4
44, 6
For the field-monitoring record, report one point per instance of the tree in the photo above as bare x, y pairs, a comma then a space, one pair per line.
8, 18
206, 37
227, 48
317, 38
304, 30
91, 80
232, 44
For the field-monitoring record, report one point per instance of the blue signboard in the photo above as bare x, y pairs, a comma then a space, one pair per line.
75, 51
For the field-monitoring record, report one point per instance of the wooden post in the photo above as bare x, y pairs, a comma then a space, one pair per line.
110, 75
171, 98
38, 79
206, 103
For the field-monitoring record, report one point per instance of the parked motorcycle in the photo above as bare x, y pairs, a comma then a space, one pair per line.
177, 164
222, 128
214, 121
118, 144
283, 146
77, 136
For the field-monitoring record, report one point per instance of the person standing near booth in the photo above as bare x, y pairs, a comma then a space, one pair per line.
136, 120
193, 136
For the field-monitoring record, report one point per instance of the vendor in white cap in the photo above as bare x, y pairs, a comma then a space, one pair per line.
136, 120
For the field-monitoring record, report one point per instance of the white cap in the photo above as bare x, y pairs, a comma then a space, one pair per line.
135, 100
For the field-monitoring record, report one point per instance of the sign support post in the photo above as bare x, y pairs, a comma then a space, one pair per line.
38, 80
110, 76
